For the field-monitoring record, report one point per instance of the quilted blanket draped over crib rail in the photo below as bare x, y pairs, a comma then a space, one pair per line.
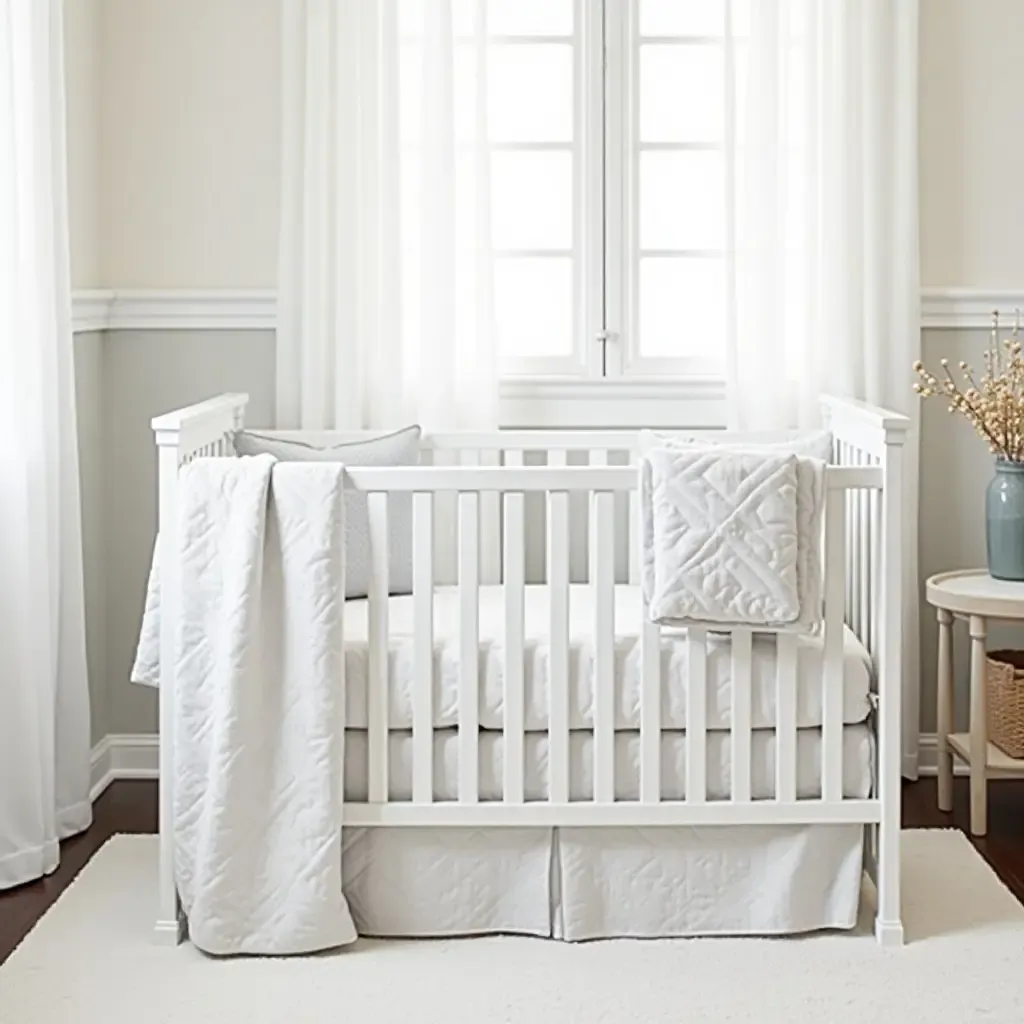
259, 716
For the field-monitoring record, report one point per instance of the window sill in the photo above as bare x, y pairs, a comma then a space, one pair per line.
613, 403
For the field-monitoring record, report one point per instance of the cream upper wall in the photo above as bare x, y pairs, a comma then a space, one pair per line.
189, 139
972, 148
81, 60
189, 95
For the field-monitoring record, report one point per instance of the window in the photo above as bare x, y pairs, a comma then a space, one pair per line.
605, 123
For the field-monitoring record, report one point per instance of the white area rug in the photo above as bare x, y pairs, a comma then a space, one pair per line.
91, 959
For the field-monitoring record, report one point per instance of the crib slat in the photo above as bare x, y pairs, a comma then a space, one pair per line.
832, 677
785, 717
557, 457
515, 579
423, 632
696, 716
558, 661
848, 542
864, 561
604, 646
635, 537
595, 457
650, 710
742, 683
874, 570
853, 551
490, 525
377, 513
514, 457
469, 651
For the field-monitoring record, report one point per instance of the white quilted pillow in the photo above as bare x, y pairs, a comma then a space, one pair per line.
811, 445
400, 448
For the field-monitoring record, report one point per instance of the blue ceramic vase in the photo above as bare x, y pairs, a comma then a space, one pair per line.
1004, 521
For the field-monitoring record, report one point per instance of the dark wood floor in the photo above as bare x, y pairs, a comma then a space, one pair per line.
131, 807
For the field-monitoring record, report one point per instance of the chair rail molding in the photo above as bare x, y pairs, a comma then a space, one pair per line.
967, 308
251, 309
242, 309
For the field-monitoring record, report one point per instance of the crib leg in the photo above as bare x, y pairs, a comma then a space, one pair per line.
170, 922
888, 924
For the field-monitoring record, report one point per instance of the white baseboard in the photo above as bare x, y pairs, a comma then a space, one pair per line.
123, 756
137, 756
928, 757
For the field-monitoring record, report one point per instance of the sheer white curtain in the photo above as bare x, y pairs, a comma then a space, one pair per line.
822, 212
385, 286
44, 697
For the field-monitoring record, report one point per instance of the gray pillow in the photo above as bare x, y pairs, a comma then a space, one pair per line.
401, 448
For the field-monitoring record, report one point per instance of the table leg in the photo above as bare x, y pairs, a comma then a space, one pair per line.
979, 728
945, 709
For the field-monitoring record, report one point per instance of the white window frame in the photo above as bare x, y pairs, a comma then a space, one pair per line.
606, 382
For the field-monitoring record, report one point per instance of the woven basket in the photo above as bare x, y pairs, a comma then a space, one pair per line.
1005, 679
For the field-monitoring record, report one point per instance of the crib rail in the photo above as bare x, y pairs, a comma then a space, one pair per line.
598, 485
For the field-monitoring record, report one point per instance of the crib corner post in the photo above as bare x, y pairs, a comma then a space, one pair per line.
169, 929
239, 403
888, 922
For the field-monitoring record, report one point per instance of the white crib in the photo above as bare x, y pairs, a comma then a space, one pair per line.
507, 508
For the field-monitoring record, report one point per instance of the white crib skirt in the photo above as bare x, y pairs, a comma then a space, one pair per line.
577, 884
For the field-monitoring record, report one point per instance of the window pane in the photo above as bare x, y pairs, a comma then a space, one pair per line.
682, 200
533, 303
681, 308
504, 17
682, 17
532, 200
412, 16
682, 93
530, 17
531, 93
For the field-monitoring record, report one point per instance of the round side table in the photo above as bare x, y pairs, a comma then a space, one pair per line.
974, 596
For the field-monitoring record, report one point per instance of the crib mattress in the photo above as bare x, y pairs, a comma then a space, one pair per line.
857, 678
857, 765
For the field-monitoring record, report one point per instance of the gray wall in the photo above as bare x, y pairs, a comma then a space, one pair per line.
126, 377
89, 391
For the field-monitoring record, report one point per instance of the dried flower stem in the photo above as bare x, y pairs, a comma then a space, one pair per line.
993, 404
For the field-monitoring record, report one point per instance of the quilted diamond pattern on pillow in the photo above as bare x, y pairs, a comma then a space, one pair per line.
726, 531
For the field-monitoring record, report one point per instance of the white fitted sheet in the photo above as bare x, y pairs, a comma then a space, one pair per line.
857, 765
857, 679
